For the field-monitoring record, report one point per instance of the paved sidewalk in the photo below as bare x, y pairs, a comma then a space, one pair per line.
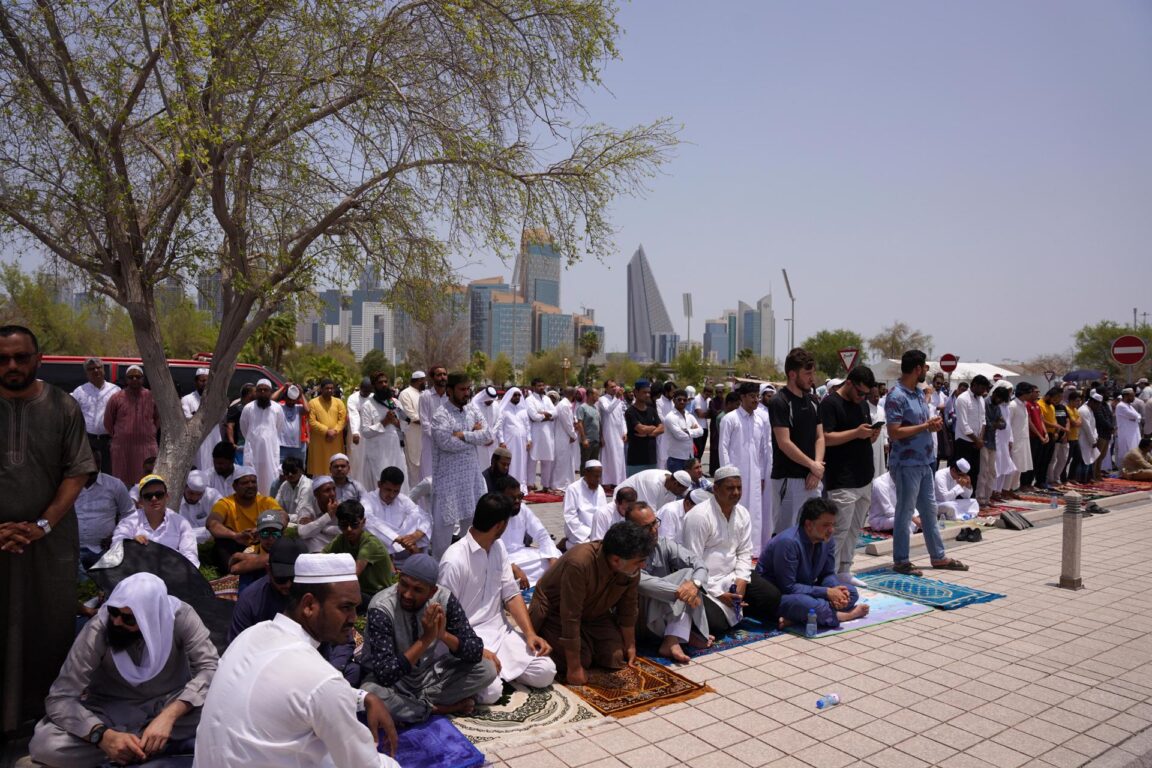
1044, 677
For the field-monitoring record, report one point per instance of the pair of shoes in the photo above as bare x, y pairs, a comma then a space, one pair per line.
907, 569
970, 534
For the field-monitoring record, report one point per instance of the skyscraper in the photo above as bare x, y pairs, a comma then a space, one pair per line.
538, 266
767, 327
647, 316
479, 302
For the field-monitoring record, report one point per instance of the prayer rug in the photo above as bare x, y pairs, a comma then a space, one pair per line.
882, 609
527, 714
536, 497
636, 689
1108, 486
436, 743
746, 632
871, 537
226, 587
931, 592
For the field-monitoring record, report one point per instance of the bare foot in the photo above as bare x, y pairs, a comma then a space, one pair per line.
859, 612
464, 707
671, 649
784, 623
699, 641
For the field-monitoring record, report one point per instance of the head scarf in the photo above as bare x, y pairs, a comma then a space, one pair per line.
489, 412
506, 402
155, 613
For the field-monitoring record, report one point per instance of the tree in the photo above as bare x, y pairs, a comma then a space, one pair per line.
621, 369
272, 339
477, 368
690, 368
268, 145
440, 334
826, 345
500, 371
895, 340
373, 361
589, 347
549, 366
1093, 347
1059, 362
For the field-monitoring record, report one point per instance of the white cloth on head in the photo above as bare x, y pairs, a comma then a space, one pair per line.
581, 505
487, 404
262, 428
513, 430
723, 545
612, 432
155, 613
205, 372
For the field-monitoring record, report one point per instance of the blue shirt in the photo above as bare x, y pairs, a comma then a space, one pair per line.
903, 408
799, 566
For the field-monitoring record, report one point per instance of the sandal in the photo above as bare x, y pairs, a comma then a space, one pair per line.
950, 564
907, 569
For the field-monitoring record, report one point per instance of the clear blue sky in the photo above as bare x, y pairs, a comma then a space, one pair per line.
982, 171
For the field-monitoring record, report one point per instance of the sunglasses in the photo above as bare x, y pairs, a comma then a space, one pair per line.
153, 495
115, 613
271, 533
282, 580
21, 358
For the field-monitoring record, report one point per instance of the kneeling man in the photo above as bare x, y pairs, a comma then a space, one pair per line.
477, 572
133, 683
801, 562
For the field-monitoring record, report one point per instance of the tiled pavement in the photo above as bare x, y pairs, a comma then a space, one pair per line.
1045, 677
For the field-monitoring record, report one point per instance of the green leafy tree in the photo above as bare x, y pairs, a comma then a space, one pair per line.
187, 330
500, 371
621, 369
1093, 347
549, 366
826, 345
477, 368
271, 340
274, 145
690, 367
894, 341
374, 360
589, 347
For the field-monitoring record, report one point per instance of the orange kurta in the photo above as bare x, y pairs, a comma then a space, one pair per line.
323, 416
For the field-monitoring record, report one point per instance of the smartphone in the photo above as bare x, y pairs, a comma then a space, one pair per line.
878, 425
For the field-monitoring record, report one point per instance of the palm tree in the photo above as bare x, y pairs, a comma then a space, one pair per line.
272, 339
589, 346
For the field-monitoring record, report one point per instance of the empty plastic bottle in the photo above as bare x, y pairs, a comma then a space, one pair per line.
1054, 501
810, 629
828, 700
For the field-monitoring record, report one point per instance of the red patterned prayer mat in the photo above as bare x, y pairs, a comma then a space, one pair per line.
536, 497
636, 689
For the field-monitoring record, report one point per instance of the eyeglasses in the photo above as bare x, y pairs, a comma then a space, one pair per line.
152, 496
115, 613
271, 533
21, 358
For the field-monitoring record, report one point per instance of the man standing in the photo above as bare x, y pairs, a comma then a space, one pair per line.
410, 402
876, 416
262, 422
1127, 424
132, 420
745, 441
613, 433
588, 425
912, 464
699, 408
380, 433
797, 442
276, 701
849, 435
457, 429
93, 398
644, 427
47, 463
970, 422
430, 401
567, 445
478, 573
327, 417
513, 433
681, 429
355, 441
542, 451
189, 405
663, 406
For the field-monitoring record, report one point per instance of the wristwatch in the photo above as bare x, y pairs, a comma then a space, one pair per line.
97, 734
698, 584
44, 526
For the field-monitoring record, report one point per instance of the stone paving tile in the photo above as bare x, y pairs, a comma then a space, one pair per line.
1062, 757
752, 752
788, 740
685, 746
997, 754
650, 756
579, 752
894, 758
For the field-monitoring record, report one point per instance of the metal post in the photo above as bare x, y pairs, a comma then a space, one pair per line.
1070, 559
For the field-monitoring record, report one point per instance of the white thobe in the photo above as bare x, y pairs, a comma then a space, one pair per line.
430, 402
402, 517
581, 504
567, 446
1004, 465
671, 517
92, 403
275, 702
882, 512
605, 517
543, 431
355, 450
663, 406
746, 443
699, 403
1088, 435
262, 428
723, 545
612, 432
876, 414
292, 499
197, 514
680, 429
189, 405
1021, 444
513, 431
649, 487
379, 445
1127, 429
173, 532
952, 499
413, 437
533, 560
969, 416
220, 483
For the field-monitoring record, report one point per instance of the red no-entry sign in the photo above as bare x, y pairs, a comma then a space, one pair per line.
1129, 350
948, 363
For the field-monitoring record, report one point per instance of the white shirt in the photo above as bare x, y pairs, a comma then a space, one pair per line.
482, 582
197, 514
290, 499
581, 504
882, 511
276, 703
389, 522
606, 517
173, 532
947, 488
671, 517
99, 507
699, 403
679, 430
724, 546
92, 403
526, 524
649, 487
969, 416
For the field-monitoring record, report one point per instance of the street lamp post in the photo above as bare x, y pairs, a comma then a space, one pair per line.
792, 320
566, 365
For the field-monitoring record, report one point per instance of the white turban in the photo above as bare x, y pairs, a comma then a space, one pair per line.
321, 568
264, 383
243, 471
135, 368
201, 371
337, 457
725, 472
683, 478
155, 613
592, 464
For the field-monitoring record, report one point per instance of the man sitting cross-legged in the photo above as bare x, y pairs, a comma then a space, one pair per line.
477, 572
373, 564
133, 683
671, 590
585, 605
421, 656
801, 562
528, 562
616, 512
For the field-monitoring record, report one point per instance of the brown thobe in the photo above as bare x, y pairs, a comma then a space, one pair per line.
132, 420
323, 416
45, 442
580, 605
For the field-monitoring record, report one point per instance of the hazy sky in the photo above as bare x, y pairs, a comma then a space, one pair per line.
982, 171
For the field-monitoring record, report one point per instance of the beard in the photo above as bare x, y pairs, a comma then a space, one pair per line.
263, 402
16, 382
120, 638
921, 378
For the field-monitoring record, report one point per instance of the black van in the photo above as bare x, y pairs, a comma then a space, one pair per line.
67, 372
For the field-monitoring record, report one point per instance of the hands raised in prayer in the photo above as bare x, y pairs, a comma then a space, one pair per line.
434, 623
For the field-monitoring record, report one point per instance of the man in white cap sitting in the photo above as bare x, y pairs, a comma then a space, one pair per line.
528, 543
316, 515
672, 514
276, 701
882, 510
583, 500
421, 656
196, 504
657, 487
262, 423
133, 683
477, 572
347, 487
190, 406
954, 492
232, 521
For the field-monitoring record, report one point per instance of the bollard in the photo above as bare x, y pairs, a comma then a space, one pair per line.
1070, 561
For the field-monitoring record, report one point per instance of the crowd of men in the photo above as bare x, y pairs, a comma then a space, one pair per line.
408, 509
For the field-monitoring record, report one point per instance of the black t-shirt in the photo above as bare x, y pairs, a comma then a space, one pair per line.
848, 465
233, 418
641, 450
1061, 413
799, 415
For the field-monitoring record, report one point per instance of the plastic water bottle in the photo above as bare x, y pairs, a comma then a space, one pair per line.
736, 601
828, 700
1053, 502
810, 629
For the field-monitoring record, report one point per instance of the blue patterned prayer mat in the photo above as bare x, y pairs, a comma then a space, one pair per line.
436, 743
746, 632
869, 538
882, 608
938, 594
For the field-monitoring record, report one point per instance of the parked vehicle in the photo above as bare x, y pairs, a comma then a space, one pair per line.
67, 372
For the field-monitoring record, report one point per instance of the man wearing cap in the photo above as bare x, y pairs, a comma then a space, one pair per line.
410, 401
610, 514
316, 515
102, 503
745, 437
644, 427
583, 500
132, 420
613, 432
133, 683
380, 433
232, 521
954, 492
657, 487
154, 522
262, 422
457, 428
395, 519
672, 514
93, 397
585, 606
253, 561
275, 701
431, 398
499, 466
542, 448
529, 562
373, 564
699, 407
189, 406
355, 437
1127, 423
797, 442
421, 656
478, 573
680, 432
327, 417
719, 533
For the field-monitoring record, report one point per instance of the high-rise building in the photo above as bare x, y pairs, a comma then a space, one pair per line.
210, 294
767, 327
538, 267
479, 304
509, 327
647, 316
553, 328
716, 341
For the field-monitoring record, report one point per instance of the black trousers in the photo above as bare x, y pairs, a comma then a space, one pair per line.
763, 600
700, 442
964, 449
101, 451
